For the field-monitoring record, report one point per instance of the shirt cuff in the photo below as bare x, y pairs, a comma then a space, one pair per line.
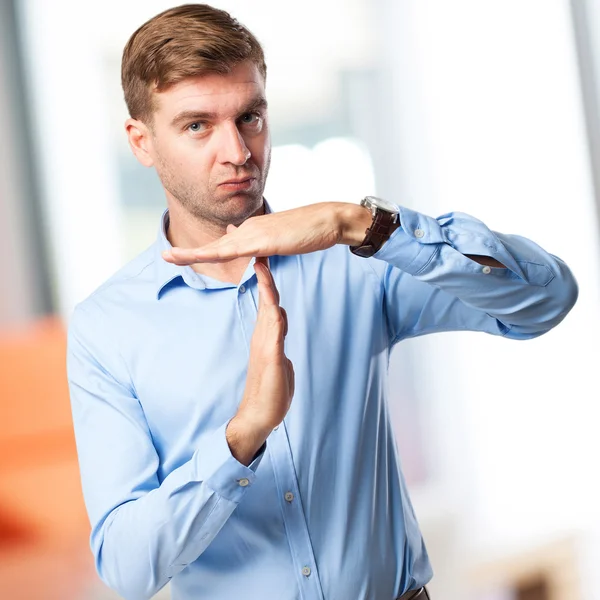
220, 470
412, 245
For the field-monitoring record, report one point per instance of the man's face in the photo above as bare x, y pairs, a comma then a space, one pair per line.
207, 131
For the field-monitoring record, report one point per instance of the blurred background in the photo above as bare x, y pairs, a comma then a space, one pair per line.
491, 107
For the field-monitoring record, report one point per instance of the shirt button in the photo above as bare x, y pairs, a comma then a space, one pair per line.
486, 269
289, 496
306, 571
419, 233
243, 482
242, 288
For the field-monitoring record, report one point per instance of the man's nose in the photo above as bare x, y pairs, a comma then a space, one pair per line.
233, 148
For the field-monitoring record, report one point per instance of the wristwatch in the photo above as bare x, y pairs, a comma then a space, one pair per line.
385, 221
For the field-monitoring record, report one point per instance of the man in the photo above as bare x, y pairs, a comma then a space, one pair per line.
197, 467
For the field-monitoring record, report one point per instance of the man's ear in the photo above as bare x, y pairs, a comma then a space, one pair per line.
140, 141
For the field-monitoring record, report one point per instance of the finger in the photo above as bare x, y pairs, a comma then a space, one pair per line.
266, 296
230, 228
285, 321
190, 256
274, 286
224, 249
263, 259
292, 378
271, 279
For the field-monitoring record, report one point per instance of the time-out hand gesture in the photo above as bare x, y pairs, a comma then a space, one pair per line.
270, 380
296, 231
270, 377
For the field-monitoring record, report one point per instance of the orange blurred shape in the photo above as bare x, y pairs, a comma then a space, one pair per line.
42, 514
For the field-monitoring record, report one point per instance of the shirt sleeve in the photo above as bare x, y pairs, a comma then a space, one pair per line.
430, 285
143, 531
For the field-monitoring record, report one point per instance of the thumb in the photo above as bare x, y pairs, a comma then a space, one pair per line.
230, 228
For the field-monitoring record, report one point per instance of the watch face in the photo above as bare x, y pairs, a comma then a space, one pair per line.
381, 203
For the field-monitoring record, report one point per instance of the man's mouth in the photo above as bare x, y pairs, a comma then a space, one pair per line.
239, 183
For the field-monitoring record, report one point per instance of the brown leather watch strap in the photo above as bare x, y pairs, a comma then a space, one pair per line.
380, 230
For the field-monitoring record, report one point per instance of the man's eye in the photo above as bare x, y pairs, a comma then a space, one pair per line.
196, 127
251, 119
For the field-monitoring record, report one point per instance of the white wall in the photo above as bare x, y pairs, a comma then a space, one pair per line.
489, 121
79, 194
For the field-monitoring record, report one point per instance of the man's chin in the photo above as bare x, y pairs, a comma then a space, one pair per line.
241, 198
241, 204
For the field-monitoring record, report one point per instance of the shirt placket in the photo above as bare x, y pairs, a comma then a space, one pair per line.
284, 472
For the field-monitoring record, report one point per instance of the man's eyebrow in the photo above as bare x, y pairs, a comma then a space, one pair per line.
191, 115
259, 102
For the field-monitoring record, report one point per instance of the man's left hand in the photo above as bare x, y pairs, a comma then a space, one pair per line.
296, 231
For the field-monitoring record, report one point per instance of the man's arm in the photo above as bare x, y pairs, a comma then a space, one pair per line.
143, 531
355, 220
476, 279
454, 273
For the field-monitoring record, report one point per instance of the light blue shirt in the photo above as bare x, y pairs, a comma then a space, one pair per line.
157, 361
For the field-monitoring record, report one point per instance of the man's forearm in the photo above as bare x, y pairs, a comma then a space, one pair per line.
142, 543
528, 293
245, 441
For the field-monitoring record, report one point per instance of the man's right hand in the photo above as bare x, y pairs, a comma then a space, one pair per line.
270, 379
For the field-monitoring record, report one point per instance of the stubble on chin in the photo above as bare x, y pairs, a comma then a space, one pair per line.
234, 208
216, 211
208, 206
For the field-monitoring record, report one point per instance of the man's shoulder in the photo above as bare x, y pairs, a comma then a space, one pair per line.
133, 280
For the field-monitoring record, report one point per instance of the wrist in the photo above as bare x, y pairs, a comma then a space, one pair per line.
245, 439
247, 422
353, 222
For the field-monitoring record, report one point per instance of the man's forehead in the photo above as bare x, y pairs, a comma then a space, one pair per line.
212, 92
230, 92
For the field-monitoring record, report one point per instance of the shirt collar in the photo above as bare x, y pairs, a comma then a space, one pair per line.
166, 272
